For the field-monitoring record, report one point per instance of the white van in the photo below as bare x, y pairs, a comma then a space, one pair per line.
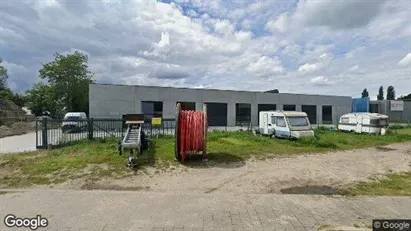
285, 124
74, 122
373, 123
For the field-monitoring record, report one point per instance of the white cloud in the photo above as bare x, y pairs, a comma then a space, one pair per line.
323, 61
309, 67
280, 24
321, 81
266, 67
406, 61
354, 68
223, 27
338, 14
217, 44
354, 52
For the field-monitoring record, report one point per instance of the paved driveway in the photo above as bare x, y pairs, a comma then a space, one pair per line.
114, 210
27, 142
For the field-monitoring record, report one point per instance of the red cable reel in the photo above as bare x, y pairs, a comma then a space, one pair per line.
191, 132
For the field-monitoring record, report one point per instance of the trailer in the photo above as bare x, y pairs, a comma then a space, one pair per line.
135, 139
372, 123
284, 124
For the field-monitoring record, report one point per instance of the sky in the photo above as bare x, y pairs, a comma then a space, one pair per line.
308, 47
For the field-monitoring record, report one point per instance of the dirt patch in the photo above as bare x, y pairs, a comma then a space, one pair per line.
95, 186
18, 128
304, 174
312, 190
279, 175
385, 149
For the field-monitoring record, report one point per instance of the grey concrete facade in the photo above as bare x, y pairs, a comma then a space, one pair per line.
384, 107
112, 101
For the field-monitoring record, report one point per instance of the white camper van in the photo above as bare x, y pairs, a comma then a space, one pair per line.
74, 121
364, 123
285, 124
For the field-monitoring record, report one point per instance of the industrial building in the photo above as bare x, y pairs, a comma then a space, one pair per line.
396, 110
224, 107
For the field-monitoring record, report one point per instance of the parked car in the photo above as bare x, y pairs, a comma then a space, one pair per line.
74, 122
373, 123
285, 124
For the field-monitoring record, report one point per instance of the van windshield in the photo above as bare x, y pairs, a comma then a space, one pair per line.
298, 121
72, 118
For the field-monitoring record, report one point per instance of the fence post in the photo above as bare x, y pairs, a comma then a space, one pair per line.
44, 133
90, 129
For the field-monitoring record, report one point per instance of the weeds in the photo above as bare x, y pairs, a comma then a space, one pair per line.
58, 165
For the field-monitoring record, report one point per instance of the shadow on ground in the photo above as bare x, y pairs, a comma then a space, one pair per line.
215, 160
314, 190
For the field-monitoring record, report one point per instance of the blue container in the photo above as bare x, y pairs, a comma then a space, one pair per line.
361, 104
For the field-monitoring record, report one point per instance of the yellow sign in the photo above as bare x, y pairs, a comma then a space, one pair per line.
155, 121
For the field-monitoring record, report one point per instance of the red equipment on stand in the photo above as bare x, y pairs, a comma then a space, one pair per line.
190, 133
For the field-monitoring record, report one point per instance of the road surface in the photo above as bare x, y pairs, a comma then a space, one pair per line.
126, 210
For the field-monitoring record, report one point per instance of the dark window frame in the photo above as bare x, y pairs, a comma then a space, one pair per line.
329, 118
312, 118
285, 107
242, 113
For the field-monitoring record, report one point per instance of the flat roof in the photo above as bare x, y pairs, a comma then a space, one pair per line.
212, 89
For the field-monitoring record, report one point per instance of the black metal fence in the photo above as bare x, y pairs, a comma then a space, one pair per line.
57, 132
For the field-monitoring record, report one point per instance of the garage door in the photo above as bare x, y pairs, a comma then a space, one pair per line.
217, 114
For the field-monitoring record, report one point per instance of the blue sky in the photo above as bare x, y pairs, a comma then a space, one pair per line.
307, 46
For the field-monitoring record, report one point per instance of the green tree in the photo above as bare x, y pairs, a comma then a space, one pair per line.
18, 99
390, 93
69, 77
405, 97
3, 76
364, 93
41, 98
7, 93
380, 95
273, 91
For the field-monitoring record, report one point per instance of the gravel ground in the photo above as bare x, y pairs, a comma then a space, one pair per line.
329, 171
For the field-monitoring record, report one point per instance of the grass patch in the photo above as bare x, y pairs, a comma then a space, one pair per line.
391, 185
69, 162
323, 227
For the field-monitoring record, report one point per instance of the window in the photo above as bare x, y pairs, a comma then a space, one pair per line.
311, 111
72, 118
280, 121
298, 121
379, 122
384, 122
374, 108
327, 115
345, 120
242, 114
273, 120
216, 114
288, 107
151, 108
188, 106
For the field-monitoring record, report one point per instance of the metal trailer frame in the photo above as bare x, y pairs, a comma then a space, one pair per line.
134, 138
